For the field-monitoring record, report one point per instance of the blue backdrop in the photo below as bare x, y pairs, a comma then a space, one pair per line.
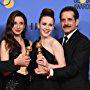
32, 10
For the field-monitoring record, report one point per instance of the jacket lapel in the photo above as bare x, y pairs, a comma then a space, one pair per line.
73, 39
71, 46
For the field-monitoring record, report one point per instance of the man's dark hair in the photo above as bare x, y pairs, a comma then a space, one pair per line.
70, 8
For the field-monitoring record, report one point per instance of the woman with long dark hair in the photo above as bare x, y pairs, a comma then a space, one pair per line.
13, 50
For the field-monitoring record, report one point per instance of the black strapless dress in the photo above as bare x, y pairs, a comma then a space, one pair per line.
15, 81
40, 82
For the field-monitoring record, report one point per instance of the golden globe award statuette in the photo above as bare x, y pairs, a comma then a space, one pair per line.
28, 50
38, 45
23, 70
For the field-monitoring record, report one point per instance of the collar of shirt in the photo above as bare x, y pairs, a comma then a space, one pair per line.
69, 35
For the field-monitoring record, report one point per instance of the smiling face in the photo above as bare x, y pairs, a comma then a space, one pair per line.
68, 22
46, 26
19, 25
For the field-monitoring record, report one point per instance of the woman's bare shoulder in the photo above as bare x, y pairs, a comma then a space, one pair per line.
56, 43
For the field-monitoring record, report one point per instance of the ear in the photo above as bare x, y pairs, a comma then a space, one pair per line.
38, 25
77, 22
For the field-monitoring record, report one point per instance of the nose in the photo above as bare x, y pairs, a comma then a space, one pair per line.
18, 26
47, 27
66, 22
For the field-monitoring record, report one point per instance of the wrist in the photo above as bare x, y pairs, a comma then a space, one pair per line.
48, 66
15, 62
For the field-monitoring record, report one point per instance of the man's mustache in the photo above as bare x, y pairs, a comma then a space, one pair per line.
66, 26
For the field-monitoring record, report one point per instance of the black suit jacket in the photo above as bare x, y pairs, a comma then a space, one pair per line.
75, 75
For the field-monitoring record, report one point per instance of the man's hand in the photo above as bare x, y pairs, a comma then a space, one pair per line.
38, 71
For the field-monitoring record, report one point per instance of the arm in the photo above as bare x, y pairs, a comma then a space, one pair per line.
7, 65
59, 55
80, 58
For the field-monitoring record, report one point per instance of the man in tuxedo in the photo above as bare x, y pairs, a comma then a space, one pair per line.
77, 51
74, 76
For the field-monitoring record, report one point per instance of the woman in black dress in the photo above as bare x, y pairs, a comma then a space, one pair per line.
13, 48
51, 50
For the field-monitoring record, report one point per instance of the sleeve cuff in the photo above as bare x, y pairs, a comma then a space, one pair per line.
51, 72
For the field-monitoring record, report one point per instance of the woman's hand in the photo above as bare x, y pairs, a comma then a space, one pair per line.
41, 60
22, 60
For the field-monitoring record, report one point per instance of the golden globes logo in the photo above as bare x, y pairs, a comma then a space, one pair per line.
82, 1
7, 3
82, 4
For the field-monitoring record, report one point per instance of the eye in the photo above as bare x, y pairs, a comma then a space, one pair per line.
21, 23
44, 24
50, 25
70, 19
15, 23
62, 20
